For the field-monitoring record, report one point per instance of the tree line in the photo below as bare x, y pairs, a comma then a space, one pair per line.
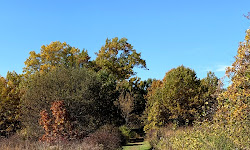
62, 91
91, 89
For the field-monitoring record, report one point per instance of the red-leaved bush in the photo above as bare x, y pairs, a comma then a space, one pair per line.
58, 127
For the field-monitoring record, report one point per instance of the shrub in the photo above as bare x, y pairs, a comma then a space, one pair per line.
125, 131
155, 136
78, 87
108, 136
58, 128
15, 142
91, 146
206, 136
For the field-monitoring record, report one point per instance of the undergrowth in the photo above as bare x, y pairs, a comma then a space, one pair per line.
203, 137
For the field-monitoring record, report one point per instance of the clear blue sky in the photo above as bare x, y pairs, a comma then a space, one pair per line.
202, 35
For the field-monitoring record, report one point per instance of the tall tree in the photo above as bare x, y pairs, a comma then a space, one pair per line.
155, 114
126, 103
209, 91
119, 58
233, 108
10, 96
115, 63
132, 99
109, 94
179, 94
180, 97
234, 102
53, 55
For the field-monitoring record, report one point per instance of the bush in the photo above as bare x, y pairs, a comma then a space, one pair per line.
78, 87
108, 136
155, 136
206, 136
15, 142
125, 131
91, 146
59, 128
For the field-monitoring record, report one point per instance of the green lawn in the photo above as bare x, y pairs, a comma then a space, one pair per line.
137, 146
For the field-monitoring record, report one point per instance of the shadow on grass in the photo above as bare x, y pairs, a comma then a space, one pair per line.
134, 144
138, 146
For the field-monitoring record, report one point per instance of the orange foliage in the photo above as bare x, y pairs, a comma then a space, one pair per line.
57, 128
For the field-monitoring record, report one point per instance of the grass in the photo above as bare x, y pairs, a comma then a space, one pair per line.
207, 136
137, 146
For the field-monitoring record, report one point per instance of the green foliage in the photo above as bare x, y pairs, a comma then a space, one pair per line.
119, 58
140, 90
79, 88
114, 63
138, 146
125, 131
230, 128
9, 104
108, 96
174, 98
179, 94
180, 98
209, 91
205, 137
153, 115
53, 55
132, 100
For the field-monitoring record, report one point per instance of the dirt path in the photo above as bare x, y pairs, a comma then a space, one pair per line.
137, 146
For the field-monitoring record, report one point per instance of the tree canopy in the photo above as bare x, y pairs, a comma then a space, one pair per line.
10, 96
53, 55
234, 102
180, 98
119, 57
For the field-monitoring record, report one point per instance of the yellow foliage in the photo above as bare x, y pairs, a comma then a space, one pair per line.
53, 55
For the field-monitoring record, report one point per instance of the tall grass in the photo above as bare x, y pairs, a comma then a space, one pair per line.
107, 137
203, 137
19, 144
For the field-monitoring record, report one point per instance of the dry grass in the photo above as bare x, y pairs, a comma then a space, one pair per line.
16, 143
204, 137
12, 144
106, 138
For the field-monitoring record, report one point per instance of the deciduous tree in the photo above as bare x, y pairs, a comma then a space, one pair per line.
180, 97
209, 91
53, 55
234, 102
10, 96
119, 58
